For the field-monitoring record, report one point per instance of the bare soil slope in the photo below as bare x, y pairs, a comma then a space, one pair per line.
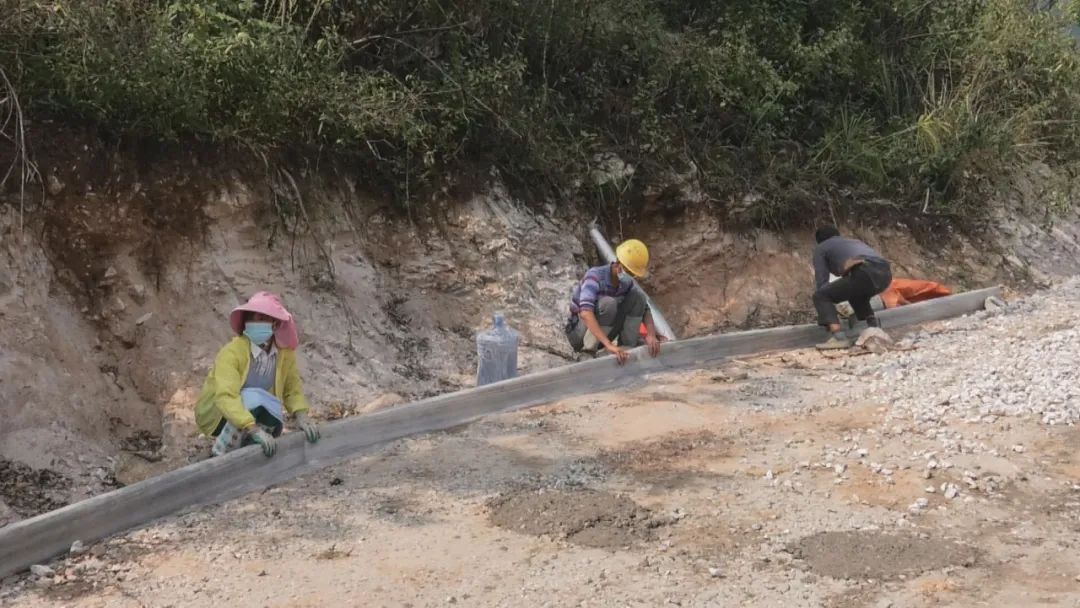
113, 295
794, 479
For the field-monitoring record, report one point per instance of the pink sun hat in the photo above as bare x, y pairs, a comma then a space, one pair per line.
270, 305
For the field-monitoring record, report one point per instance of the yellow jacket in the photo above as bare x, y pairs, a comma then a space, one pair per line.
221, 392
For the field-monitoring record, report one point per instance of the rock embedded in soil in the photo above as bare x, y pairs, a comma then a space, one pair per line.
919, 505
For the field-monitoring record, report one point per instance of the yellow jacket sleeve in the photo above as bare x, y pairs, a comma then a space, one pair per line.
228, 375
292, 389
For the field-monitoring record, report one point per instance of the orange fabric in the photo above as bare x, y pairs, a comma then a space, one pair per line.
909, 291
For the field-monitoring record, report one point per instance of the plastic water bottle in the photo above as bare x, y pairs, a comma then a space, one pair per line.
496, 353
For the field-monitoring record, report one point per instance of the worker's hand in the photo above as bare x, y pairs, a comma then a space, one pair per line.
653, 343
621, 356
311, 430
264, 440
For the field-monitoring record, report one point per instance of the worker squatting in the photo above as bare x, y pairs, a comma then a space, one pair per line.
254, 382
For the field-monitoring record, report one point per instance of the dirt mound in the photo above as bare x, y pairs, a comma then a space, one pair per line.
31, 491
583, 517
874, 555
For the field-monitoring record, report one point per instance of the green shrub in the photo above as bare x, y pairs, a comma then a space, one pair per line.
920, 101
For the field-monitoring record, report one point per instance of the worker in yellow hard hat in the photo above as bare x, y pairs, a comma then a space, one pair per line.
608, 306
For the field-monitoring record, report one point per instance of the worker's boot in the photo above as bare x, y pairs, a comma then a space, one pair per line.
837, 341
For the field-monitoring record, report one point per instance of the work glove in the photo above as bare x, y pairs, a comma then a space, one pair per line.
264, 440
311, 430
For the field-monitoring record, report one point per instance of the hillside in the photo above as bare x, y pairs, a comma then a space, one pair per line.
774, 109
399, 171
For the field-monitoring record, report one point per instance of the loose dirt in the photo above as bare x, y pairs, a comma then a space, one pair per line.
584, 517
873, 555
668, 451
31, 491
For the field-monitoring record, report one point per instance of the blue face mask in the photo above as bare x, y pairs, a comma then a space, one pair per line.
625, 278
259, 332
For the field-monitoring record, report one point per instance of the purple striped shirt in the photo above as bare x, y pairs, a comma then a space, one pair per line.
594, 285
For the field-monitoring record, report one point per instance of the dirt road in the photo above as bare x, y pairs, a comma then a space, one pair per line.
943, 474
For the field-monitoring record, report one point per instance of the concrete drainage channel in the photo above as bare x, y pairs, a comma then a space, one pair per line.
37, 539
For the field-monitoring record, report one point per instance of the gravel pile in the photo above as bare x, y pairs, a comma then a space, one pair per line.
1018, 361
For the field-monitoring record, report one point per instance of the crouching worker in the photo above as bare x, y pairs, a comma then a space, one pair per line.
254, 381
607, 305
863, 274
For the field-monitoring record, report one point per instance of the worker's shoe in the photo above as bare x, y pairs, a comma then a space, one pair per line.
835, 342
875, 340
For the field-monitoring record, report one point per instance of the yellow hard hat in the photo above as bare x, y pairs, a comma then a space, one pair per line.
634, 257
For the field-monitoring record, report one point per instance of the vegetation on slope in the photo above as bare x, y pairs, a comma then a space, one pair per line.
926, 102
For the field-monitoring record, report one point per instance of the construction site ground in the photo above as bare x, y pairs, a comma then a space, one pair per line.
942, 473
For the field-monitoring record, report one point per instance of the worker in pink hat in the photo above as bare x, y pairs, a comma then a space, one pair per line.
254, 381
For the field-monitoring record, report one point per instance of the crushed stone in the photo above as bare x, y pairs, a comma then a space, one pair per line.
1014, 361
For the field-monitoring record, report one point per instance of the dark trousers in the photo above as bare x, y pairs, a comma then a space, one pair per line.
262, 418
862, 282
619, 318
